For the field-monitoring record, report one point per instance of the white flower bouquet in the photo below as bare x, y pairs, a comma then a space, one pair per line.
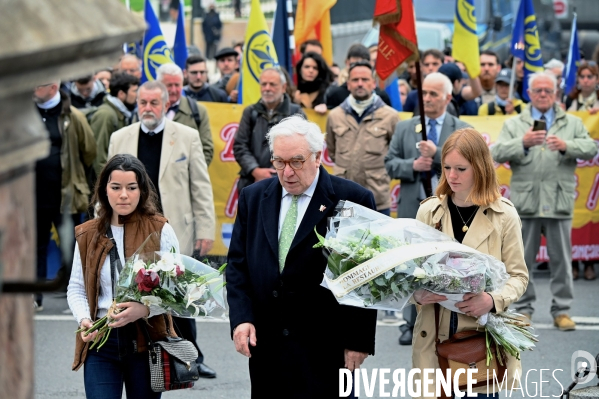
378, 262
374, 261
176, 283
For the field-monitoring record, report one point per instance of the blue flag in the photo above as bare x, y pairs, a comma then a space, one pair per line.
571, 67
180, 47
525, 42
392, 90
155, 50
281, 38
133, 48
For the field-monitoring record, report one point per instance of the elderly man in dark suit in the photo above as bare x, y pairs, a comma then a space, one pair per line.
293, 330
409, 157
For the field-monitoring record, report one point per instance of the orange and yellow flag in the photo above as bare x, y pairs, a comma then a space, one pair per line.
313, 21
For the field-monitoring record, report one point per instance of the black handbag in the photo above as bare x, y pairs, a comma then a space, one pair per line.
172, 363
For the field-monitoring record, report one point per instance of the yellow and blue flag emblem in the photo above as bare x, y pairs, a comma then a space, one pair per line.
155, 50
259, 54
465, 40
525, 42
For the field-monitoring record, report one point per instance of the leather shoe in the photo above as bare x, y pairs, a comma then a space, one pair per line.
564, 323
205, 371
589, 272
406, 337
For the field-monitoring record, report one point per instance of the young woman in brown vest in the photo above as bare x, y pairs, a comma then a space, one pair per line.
126, 215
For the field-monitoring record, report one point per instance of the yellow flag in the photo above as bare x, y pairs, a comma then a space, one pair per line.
313, 21
259, 54
465, 40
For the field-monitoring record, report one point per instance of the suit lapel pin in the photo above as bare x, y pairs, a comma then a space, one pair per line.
322, 208
418, 128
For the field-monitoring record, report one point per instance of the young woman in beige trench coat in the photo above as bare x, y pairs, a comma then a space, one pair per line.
469, 207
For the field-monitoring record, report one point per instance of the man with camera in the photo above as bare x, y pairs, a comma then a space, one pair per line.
542, 145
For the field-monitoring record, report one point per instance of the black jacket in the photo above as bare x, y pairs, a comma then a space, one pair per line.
250, 146
335, 95
302, 331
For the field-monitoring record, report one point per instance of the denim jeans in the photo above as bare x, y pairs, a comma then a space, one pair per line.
116, 363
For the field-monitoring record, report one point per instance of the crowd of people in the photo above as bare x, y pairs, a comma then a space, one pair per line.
139, 153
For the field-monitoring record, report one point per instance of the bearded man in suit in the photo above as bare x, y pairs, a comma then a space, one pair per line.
294, 331
173, 156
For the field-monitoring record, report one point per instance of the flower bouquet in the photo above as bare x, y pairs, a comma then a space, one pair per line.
166, 282
374, 261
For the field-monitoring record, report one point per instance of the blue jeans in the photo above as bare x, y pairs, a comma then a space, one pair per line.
116, 363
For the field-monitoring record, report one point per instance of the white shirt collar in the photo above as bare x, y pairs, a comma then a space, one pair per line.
51, 103
159, 128
310, 191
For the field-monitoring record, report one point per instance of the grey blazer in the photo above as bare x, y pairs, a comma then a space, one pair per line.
400, 159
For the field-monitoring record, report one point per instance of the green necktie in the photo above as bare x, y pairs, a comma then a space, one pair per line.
287, 232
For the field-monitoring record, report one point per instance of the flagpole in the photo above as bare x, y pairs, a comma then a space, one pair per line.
426, 181
512, 79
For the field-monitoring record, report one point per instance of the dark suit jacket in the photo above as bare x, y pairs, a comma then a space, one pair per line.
301, 330
400, 159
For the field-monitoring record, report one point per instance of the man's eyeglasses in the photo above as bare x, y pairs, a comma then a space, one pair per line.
542, 90
295, 164
197, 72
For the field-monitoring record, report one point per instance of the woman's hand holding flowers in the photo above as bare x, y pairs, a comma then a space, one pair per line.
129, 312
476, 305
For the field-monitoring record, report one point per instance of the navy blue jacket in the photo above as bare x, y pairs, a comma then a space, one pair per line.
301, 330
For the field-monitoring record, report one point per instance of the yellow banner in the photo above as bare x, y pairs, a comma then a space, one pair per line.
224, 120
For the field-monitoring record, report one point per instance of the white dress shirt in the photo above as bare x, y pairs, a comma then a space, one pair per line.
302, 203
76, 294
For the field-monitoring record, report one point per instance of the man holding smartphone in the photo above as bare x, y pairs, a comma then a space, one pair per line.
542, 145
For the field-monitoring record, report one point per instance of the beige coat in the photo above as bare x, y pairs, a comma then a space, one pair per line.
359, 150
495, 230
183, 180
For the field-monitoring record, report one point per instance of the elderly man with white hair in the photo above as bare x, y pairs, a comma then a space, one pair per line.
410, 159
186, 110
406, 162
295, 333
543, 188
556, 67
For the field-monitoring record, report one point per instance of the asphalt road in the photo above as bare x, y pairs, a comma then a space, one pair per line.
54, 341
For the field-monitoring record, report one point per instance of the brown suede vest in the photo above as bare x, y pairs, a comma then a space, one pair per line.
93, 254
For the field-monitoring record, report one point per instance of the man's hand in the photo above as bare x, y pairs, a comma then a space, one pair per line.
263, 173
554, 143
422, 164
244, 335
509, 107
204, 246
233, 96
425, 297
353, 359
321, 109
476, 305
593, 111
427, 148
532, 138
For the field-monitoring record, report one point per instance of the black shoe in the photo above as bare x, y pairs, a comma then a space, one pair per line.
543, 266
406, 337
404, 327
205, 371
